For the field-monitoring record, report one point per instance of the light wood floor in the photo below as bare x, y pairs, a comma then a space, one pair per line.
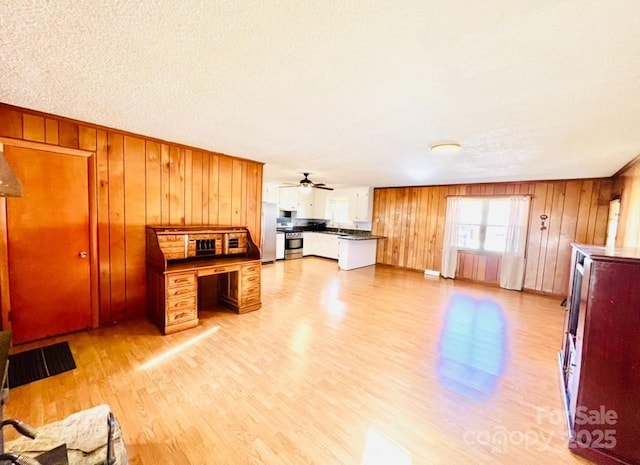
367, 367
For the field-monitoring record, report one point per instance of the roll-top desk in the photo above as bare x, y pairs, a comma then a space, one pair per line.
177, 256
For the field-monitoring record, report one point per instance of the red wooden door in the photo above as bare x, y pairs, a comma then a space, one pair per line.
48, 244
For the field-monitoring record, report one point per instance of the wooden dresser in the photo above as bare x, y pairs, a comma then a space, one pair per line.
600, 356
180, 263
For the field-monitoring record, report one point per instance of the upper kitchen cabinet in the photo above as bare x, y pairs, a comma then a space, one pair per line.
355, 204
288, 199
271, 193
320, 203
361, 205
305, 203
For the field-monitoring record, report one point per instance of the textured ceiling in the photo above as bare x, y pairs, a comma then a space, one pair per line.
353, 91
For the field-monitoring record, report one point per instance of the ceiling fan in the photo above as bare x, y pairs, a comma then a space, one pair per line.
308, 184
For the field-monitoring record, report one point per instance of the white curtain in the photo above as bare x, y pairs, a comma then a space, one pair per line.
513, 263
450, 243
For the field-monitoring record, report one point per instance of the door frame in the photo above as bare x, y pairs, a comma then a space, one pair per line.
5, 295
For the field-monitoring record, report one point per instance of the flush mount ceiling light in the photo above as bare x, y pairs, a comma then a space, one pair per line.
446, 148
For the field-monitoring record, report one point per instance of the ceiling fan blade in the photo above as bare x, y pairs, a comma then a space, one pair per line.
307, 183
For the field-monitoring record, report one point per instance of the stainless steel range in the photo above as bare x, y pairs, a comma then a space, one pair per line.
293, 245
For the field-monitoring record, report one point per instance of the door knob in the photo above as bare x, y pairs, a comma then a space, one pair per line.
82, 254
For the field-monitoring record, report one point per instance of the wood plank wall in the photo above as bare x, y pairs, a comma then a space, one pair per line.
628, 187
477, 267
412, 219
145, 181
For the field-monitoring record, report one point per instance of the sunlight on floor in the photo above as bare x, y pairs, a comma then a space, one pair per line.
378, 450
472, 346
170, 353
301, 338
331, 299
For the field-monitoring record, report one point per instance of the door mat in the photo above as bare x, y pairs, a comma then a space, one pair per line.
32, 365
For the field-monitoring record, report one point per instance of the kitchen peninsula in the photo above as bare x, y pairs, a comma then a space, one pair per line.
357, 251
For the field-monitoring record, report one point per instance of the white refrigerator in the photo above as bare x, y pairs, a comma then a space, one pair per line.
269, 225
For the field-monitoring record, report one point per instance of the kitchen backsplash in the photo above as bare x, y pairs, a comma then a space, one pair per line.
292, 221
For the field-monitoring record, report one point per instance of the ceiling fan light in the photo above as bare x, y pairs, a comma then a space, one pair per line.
305, 188
446, 148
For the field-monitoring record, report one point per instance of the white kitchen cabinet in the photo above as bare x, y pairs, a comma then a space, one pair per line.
305, 204
359, 201
327, 246
320, 245
280, 246
362, 204
344, 206
320, 203
288, 198
307, 244
271, 193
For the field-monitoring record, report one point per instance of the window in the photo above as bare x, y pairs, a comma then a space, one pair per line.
488, 224
483, 224
338, 210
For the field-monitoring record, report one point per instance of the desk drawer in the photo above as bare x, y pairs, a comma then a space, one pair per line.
181, 279
182, 291
248, 280
181, 304
251, 269
208, 271
250, 291
181, 316
250, 299
223, 269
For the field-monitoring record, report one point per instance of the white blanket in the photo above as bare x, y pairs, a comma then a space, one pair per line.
85, 434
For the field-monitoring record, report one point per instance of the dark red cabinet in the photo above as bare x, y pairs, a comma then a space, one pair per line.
600, 356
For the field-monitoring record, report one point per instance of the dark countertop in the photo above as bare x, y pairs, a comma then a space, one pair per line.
361, 237
332, 233
350, 235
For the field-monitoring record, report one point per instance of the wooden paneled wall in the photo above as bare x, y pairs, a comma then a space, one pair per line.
479, 267
145, 181
412, 219
628, 187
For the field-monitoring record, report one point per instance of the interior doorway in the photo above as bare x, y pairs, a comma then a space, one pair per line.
612, 222
48, 244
